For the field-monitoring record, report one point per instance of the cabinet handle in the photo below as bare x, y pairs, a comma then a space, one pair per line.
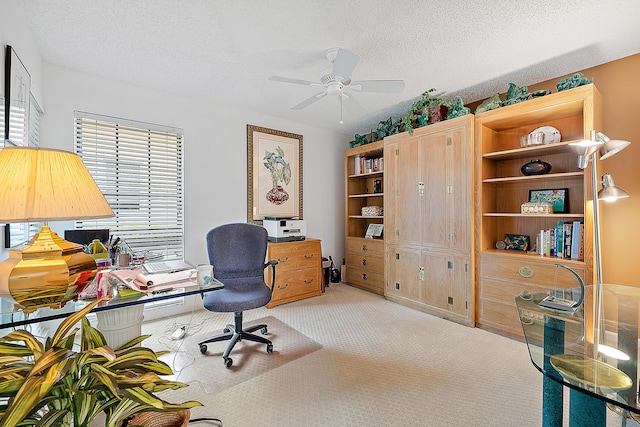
283, 260
363, 262
308, 281
364, 276
286, 285
525, 271
364, 248
308, 256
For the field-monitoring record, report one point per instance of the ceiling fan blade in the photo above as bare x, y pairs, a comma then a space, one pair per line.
294, 81
309, 101
378, 85
345, 63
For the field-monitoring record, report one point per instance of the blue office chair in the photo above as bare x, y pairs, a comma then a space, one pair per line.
237, 253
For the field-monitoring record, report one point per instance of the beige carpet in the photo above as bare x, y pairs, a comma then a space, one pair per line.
381, 364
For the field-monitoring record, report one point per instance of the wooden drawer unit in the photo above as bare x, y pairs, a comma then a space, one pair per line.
502, 278
299, 270
365, 264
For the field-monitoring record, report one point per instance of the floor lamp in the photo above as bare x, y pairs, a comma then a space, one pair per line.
588, 151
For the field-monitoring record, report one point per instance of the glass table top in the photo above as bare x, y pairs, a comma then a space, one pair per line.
12, 316
575, 349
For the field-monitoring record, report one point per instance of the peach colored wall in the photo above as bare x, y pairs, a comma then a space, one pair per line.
619, 84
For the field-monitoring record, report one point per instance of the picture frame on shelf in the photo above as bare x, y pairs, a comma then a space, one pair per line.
558, 197
17, 92
274, 174
374, 231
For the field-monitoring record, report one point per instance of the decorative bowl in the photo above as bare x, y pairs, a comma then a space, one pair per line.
535, 167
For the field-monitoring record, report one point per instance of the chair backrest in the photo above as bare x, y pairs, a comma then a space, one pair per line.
237, 250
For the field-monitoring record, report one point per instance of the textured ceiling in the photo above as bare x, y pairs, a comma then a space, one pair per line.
224, 51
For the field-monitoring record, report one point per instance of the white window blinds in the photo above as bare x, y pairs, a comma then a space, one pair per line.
138, 167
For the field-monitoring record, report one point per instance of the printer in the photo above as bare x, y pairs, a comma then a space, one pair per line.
285, 229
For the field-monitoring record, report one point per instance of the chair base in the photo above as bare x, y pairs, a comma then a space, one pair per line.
234, 334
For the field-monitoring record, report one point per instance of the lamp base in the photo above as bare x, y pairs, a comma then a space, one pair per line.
47, 271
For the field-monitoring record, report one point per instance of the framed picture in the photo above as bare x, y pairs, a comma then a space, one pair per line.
17, 90
274, 174
556, 196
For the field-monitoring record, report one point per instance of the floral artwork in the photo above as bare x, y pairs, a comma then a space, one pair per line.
280, 172
274, 174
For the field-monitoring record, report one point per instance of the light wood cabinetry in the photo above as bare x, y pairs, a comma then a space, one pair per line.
364, 257
501, 189
428, 219
299, 270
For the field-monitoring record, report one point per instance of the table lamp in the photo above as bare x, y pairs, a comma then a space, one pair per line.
39, 185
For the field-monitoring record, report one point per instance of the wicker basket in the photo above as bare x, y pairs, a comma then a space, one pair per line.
161, 419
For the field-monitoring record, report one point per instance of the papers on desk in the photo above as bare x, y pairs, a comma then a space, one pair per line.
134, 279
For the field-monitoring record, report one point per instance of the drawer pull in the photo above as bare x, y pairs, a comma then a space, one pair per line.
308, 281
363, 262
308, 256
286, 285
525, 271
364, 276
283, 260
364, 248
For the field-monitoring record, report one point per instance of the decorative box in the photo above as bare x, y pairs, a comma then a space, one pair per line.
372, 211
536, 208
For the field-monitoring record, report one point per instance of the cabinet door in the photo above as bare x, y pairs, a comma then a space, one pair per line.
406, 194
403, 272
435, 207
446, 282
446, 204
436, 280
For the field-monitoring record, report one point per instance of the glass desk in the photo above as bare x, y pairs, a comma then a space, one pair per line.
119, 318
565, 348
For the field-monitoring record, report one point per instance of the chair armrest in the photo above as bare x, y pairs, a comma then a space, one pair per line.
273, 264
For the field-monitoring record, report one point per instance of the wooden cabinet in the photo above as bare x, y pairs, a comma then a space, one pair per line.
299, 270
501, 189
429, 220
364, 179
365, 264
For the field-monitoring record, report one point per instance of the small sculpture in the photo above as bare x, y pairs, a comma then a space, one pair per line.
489, 104
578, 79
458, 109
515, 94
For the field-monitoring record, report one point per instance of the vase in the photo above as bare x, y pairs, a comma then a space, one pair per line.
535, 167
437, 113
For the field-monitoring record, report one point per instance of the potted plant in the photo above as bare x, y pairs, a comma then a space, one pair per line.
425, 110
53, 384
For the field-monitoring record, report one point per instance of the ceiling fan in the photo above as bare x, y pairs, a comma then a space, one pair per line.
337, 79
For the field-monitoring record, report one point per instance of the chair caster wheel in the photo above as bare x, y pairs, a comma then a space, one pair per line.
263, 331
228, 362
226, 330
203, 348
269, 348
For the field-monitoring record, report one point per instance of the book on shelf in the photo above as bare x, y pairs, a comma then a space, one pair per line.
365, 164
576, 237
566, 251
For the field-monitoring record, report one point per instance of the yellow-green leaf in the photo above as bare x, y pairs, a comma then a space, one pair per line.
29, 340
68, 323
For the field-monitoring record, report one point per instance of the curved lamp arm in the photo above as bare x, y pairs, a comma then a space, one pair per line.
577, 304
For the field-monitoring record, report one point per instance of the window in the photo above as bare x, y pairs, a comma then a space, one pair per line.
138, 167
18, 233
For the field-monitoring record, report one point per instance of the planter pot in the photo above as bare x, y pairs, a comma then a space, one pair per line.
162, 419
437, 113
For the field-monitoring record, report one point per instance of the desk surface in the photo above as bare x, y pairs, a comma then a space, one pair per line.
562, 344
15, 318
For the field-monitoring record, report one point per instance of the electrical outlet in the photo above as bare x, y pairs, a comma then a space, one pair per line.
179, 333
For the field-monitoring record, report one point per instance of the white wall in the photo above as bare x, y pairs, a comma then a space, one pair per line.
214, 149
